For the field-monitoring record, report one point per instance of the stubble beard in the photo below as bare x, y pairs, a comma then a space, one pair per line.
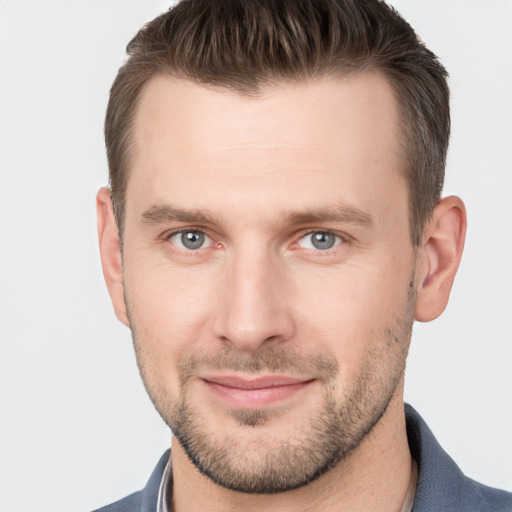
269, 464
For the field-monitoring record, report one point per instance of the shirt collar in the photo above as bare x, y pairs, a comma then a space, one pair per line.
164, 491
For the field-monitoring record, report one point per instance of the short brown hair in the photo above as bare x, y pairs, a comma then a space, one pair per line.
246, 45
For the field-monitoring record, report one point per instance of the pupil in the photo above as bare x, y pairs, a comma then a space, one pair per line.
323, 240
192, 239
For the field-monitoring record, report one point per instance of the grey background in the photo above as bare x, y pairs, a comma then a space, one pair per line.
76, 428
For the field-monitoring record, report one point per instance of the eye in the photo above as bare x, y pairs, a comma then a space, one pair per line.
319, 241
190, 240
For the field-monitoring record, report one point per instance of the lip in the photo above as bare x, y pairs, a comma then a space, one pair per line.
257, 392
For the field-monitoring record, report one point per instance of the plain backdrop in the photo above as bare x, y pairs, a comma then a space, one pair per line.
77, 430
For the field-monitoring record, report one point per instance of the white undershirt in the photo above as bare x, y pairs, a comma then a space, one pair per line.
164, 492
411, 490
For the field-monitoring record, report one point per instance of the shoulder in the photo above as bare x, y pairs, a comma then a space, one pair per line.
131, 503
442, 486
487, 498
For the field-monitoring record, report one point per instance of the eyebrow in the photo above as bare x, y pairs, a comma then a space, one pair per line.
347, 214
344, 213
161, 214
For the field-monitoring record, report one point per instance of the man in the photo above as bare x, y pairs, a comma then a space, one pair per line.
273, 228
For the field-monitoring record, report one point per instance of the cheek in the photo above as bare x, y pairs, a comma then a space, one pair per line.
169, 308
352, 309
169, 313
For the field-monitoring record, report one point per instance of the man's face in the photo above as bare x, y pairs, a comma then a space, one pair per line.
268, 272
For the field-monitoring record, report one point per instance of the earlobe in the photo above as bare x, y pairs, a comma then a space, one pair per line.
110, 250
439, 257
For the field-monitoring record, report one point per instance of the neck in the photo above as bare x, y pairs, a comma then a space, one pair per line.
373, 477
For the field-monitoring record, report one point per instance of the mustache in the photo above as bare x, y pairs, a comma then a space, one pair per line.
273, 360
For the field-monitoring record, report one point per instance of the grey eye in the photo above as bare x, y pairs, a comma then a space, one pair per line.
323, 240
190, 240
319, 240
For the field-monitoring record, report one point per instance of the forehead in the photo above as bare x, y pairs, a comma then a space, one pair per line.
311, 111
336, 137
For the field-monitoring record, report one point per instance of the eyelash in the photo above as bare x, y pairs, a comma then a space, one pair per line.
294, 246
190, 252
342, 240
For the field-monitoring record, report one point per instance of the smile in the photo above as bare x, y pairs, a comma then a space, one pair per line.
255, 393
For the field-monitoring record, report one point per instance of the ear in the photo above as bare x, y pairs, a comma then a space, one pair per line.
439, 257
110, 250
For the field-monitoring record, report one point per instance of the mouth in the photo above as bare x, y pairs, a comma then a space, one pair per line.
255, 393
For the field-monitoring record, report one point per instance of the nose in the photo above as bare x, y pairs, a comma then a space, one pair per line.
254, 307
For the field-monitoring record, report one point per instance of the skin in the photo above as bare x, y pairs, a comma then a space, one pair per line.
257, 176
